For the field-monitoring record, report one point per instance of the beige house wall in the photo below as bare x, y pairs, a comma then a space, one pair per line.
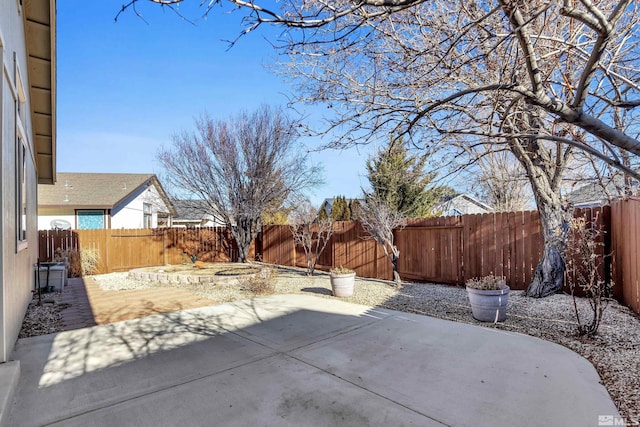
16, 259
128, 214
45, 216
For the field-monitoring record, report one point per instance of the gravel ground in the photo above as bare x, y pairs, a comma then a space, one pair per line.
615, 351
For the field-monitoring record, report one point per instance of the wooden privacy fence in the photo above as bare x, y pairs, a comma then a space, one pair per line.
121, 250
347, 247
443, 249
625, 247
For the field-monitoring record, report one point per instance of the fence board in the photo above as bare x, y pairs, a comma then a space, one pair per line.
277, 245
499, 236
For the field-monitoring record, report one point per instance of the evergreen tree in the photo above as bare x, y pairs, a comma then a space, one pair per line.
399, 180
322, 213
337, 209
346, 215
355, 208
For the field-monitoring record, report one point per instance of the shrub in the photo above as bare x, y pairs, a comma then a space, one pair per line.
89, 259
261, 283
341, 270
487, 283
583, 262
83, 263
73, 258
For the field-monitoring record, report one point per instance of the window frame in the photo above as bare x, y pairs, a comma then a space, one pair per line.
22, 154
21, 194
102, 212
147, 215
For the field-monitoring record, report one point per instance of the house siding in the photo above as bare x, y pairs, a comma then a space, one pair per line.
129, 214
45, 216
16, 266
459, 205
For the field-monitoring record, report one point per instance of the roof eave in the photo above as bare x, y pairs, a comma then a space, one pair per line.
40, 30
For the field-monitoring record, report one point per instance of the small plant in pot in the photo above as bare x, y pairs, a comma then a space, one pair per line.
488, 296
342, 281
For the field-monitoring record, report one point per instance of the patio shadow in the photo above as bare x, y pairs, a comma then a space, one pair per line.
318, 290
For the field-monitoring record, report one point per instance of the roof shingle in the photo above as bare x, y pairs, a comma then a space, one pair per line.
91, 190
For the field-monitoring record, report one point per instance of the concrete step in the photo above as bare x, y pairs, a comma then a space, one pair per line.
9, 376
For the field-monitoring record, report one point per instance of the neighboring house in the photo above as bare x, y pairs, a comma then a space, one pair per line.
194, 213
327, 204
28, 132
597, 194
104, 200
460, 204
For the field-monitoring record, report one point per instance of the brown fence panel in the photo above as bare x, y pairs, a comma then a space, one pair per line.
431, 250
625, 245
472, 246
99, 241
51, 240
209, 244
277, 245
516, 230
124, 249
134, 248
503, 244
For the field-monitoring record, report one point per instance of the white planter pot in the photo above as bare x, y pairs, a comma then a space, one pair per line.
489, 306
342, 284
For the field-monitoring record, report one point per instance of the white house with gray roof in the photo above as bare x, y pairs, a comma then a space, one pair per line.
195, 213
460, 204
599, 194
104, 200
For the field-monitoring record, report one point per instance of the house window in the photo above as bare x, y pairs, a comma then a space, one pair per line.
21, 157
147, 215
90, 220
21, 192
163, 219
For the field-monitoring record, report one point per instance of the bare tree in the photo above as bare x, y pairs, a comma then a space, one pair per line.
379, 222
240, 168
311, 232
500, 181
539, 78
584, 260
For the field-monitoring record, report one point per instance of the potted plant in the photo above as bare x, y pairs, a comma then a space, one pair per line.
342, 281
488, 296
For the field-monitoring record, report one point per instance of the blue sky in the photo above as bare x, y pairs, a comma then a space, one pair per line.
124, 88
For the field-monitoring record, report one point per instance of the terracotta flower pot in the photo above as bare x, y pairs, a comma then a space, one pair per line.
342, 284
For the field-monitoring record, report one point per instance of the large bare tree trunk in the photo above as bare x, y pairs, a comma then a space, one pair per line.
393, 257
548, 277
394, 262
244, 233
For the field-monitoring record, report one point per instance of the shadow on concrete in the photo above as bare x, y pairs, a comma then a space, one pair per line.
318, 290
301, 360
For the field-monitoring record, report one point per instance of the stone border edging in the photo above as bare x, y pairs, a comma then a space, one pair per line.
170, 278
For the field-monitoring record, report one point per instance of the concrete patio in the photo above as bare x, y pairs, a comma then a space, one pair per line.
301, 360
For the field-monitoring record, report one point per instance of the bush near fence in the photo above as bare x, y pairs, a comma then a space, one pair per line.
442, 250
